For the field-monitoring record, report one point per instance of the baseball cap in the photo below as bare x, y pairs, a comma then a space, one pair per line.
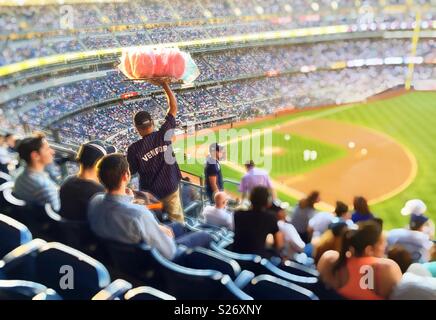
414, 206
142, 119
94, 150
249, 163
215, 147
416, 209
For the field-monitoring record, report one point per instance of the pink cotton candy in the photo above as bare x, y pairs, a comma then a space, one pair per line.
145, 63
142, 62
176, 64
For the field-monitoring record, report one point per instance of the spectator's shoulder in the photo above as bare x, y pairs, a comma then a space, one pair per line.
97, 198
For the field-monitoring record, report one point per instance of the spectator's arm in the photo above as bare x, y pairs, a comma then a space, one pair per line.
49, 195
154, 236
387, 275
213, 181
279, 240
172, 102
133, 163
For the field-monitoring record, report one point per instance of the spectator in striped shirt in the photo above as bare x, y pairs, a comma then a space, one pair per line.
34, 185
153, 159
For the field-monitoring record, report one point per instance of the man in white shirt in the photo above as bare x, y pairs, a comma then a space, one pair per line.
321, 221
293, 242
218, 215
414, 239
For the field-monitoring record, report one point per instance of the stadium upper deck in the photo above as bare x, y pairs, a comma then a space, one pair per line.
31, 31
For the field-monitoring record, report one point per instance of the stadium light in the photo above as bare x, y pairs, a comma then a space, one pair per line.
259, 10
315, 6
393, 60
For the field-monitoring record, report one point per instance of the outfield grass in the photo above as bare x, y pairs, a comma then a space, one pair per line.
410, 119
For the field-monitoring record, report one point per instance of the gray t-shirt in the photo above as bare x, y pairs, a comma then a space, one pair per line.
300, 218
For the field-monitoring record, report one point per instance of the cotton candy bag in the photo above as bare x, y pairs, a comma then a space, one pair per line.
143, 63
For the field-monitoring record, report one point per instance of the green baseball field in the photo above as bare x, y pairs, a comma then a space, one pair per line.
384, 150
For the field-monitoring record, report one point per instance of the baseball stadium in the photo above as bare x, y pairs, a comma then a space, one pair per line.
217, 150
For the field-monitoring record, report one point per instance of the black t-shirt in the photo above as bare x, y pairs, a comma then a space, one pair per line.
213, 168
75, 194
251, 230
153, 158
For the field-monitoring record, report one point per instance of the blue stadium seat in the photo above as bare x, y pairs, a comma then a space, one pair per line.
188, 283
20, 262
76, 234
133, 261
114, 291
201, 258
55, 262
25, 290
147, 293
286, 271
12, 234
12, 205
267, 287
4, 177
193, 209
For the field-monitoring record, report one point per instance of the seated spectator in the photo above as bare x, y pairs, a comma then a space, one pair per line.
415, 284
34, 185
414, 239
189, 194
218, 215
5, 158
11, 142
329, 240
77, 190
305, 211
253, 178
292, 240
8, 153
361, 261
401, 256
254, 225
361, 210
321, 221
113, 215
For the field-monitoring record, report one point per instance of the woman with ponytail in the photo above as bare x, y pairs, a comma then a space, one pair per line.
359, 271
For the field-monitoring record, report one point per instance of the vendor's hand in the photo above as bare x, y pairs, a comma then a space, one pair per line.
160, 82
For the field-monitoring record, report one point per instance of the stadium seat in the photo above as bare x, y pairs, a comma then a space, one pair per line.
58, 264
193, 209
20, 262
76, 234
4, 177
201, 258
259, 265
188, 283
114, 291
267, 287
12, 205
12, 234
25, 290
147, 293
217, 234
133, 262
